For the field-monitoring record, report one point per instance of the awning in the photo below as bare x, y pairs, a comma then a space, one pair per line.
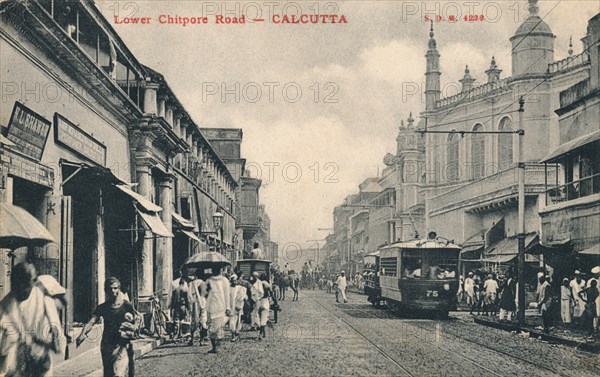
140, 199
191, 235
184, 223
571, 146
155, 223
471, 251
508, 248
594, 250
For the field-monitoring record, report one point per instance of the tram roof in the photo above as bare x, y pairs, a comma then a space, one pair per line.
423, 244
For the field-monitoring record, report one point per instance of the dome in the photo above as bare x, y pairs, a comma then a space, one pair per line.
533, 24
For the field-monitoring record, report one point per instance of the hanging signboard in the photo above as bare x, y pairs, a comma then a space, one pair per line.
74, 138
28, 130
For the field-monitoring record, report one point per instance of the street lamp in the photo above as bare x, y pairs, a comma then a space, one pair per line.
218, 224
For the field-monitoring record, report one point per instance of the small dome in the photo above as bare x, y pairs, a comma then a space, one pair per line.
533, 22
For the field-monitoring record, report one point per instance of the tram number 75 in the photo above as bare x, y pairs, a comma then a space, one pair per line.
432, 293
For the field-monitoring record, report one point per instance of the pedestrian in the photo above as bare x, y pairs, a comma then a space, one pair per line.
589, 295
196, 289
329, 285
294, 285
470, 290
256, 294
237, 294
257, 253
115, 350
217, 306
507, 301
544, 301
460, 295
341, 287
29, 326
566, 301
180, 306
264, 305
491, 290
577, 285
596, 277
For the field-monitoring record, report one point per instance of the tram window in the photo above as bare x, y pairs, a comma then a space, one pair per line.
412, 266
440, 264
389, 266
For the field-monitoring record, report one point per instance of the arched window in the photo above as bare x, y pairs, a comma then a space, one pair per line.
505, 145
478, 152
452, 158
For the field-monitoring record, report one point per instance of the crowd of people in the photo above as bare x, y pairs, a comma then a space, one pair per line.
31, 329
576, 299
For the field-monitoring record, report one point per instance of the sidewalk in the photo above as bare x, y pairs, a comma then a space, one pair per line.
89, 363
560, 333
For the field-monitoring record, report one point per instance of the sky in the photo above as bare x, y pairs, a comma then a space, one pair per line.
320, 104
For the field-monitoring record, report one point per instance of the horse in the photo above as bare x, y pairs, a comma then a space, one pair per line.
282, 283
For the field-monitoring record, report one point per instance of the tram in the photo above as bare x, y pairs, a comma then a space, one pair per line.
418, 275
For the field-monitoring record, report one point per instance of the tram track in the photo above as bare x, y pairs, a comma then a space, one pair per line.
428, 330
378, 348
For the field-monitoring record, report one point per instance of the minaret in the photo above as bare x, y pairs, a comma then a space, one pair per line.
493, 73
432, 75
532, 45
467, 81
410, 120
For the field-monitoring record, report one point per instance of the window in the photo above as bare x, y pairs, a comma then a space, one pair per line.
505, 145
389, 266
452, 158
478, 152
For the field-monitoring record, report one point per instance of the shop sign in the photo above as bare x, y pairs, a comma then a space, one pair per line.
28, 130
74, 138
25, 168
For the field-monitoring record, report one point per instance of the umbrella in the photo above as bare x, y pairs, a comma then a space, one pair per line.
206, 259
19, 228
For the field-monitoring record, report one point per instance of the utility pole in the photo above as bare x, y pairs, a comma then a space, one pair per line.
521, 214
520, 198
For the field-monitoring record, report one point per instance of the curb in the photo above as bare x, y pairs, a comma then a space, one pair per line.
141, 347
589, 347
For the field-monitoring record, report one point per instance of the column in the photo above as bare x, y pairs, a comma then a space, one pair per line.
146, 281
169, 115
177, 124
150, 104
161, 107
164, 251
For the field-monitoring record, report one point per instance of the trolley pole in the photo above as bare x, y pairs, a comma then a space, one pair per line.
521, 214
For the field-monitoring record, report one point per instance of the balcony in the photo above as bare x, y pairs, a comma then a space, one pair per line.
249, 216
573, 190
494, 191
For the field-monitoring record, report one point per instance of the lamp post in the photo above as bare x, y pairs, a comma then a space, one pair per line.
218, 224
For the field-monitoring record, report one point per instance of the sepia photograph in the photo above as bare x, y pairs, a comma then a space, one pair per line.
299, 188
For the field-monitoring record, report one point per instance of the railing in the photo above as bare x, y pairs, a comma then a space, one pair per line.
507, 179
478, 91
569, 62
574, 190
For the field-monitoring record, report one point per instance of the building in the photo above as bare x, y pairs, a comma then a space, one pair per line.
105, 156
570, 221
471, 179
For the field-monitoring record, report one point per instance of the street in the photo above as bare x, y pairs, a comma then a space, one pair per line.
317, 336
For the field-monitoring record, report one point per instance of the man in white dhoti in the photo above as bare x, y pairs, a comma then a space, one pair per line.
257, 292
238, 295
577, 285
217, 306
264, 306
196, 288
29, 327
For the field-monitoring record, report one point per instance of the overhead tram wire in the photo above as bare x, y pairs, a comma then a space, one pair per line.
512, 50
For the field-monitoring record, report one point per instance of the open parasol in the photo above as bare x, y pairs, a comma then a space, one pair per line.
19, 228
206, 259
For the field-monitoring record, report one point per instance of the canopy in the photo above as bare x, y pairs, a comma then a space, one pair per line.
593, 250
571, 146
140, 199
155, 223
18, 227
